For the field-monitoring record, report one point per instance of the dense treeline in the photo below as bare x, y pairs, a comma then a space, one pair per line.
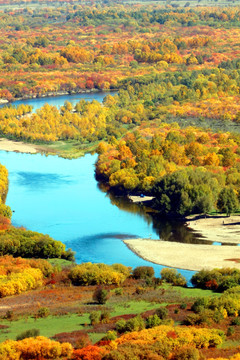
5, 211
3, 182
88, 120
45, 52
188, 171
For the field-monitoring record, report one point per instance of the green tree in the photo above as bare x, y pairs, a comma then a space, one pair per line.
100, 295
227, 201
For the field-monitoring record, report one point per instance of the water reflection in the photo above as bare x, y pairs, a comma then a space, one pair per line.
36, 180
173, 230
167, 230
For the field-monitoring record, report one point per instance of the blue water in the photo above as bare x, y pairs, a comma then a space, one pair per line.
61, 198
59, 100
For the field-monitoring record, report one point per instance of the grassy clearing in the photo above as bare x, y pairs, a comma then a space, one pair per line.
48, 326
95, 337
190, 292
70, 149
228, 344
60, 262
134, 307
67, 149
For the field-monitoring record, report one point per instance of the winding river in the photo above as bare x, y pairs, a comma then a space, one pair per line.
61, 197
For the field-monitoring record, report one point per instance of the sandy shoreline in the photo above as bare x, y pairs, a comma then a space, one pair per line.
185, 256
18, 146
221, 229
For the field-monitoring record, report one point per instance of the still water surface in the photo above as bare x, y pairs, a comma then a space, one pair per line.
59, 100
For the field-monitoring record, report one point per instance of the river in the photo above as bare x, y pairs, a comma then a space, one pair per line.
59, 100
61, 197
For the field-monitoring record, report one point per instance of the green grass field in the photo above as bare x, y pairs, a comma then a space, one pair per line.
60, 262
134, 307
48, 326
191, 292
52, 325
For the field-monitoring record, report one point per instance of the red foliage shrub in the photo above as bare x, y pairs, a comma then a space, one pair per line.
211, 284
90, 352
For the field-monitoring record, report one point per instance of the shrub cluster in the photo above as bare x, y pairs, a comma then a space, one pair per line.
28, 333
136, 323
164, 340
100, 295
18, 275
97, 274
28, 244
143, 272
173, 277
35, 348
97, 317
216, 279
217, 308
17, 283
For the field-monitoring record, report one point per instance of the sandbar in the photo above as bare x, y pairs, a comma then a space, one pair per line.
18, 146
185, 256
222, 229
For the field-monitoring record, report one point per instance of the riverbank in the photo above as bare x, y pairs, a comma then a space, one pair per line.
69, 149
185, 256
56, 94
18, 146
3, 101
217, 228
59, 93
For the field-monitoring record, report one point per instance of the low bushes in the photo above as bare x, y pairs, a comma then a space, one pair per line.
161, 341
97, 274
18, 275
135, 324
35, 348
143, 272
30, 244
97, 317
27, 334
90, 352
173, 277
216, 279
100, 295
17, 283
228, 304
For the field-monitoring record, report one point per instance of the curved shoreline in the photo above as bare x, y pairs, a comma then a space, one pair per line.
219, 228
185, 256
55, 94
18, 146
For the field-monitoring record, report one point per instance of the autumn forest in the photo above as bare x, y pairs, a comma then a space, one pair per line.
168, 128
